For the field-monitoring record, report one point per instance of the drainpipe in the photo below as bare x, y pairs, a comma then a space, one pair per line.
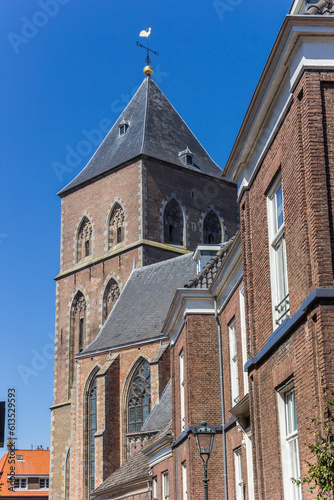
222, 398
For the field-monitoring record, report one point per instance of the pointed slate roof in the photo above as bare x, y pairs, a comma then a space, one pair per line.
141, 309
155, 130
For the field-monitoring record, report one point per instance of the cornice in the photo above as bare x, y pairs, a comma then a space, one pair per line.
274, 76
121, 249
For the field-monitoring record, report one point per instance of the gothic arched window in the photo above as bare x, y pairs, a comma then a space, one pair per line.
92, 428
77, 332
110, 296
139, 399
84, 245
116, 226
173, 223
212, 233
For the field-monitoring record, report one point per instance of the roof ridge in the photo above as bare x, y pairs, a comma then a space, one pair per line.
105, 138
161, 263
145, 117
212, 266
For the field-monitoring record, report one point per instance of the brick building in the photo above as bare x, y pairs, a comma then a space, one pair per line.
171, 309
29, 470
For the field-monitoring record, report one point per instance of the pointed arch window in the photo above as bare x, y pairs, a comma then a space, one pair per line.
212, 233
84, 244
139, 399
110, 296
77, 332
116, 226
92, 428
173, 223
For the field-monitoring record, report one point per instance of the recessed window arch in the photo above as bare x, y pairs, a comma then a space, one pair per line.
139, 397
116, 226
92, 428
84, 243
212, 233
173, 223
110, 296
77, 332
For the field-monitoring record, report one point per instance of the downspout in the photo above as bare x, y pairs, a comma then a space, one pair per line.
149, 489
222, 399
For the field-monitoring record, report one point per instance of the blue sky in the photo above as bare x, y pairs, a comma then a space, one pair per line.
67, 66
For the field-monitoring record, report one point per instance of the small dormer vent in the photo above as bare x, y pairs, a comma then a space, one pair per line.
186, 157
123, 128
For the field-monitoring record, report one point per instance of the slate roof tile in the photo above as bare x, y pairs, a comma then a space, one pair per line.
141, 309
155, 130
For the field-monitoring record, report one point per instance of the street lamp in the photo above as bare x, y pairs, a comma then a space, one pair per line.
204, 436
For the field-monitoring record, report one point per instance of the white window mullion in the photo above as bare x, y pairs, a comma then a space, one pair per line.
243, 337
277, 254
233, 363
184, 481
289, 443
239, 484
182, 405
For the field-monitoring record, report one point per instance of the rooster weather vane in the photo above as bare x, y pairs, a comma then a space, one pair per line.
148, 70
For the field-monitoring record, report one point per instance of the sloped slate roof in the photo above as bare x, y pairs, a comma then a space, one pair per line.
155, 129
136, 467
161, 413
323, 7
141, 309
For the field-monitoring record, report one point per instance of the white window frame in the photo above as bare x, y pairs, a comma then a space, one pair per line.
182, 399
243, 337
289, 442
249, 462
239, 482
155, 488
184, 481
234, 363
165, 485
46, 481
277, 253
20, 487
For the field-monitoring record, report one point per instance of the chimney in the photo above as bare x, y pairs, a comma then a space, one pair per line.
10, 445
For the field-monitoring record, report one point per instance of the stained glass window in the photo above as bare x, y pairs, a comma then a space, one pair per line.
139, 401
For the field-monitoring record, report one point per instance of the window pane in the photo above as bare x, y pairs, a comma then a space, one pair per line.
279, 208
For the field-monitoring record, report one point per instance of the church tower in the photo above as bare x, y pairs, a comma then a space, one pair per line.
150, 193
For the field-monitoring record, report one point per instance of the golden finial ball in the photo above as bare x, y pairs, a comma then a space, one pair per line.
148, 70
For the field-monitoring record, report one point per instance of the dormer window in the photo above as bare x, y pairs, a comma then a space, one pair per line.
186, 157
123, 128
189, 159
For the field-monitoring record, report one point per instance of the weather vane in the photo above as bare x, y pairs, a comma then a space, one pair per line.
148, 70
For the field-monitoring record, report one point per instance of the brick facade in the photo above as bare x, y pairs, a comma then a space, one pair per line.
242, 390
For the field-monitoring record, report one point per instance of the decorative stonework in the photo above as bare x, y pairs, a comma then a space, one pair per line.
116, 225
174, 222
83, 247
110, 296
212, 226
110, 278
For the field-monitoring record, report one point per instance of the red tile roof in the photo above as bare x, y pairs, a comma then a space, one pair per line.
34, 463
